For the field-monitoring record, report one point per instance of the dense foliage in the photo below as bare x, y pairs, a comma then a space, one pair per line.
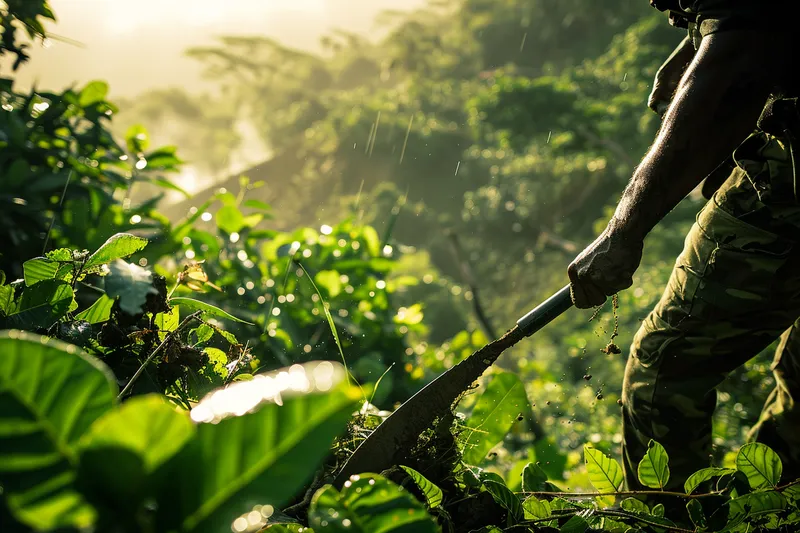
207, 365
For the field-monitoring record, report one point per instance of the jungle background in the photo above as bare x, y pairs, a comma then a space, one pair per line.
472, 147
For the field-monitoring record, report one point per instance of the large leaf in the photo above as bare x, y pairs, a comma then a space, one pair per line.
503, 496
493, 415
433, 494
760, 464
118, 246
605, 474
753, 505
190, 304
701, 476
654, 467
99, 311
38, 269
43, 304
124, 447
230, 219
265, 457
132, 284
369, 503
50, 394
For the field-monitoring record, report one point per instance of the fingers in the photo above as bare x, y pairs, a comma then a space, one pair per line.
586, 295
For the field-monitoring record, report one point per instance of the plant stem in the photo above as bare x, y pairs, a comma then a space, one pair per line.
624, 493
158, 350
53, 220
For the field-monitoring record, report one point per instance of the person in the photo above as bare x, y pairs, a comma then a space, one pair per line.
727, 93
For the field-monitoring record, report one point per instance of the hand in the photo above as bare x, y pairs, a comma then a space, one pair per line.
604, 268
668, 77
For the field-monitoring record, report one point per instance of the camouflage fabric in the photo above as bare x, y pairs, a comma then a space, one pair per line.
734, 290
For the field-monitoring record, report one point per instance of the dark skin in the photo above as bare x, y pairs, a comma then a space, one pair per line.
716, 105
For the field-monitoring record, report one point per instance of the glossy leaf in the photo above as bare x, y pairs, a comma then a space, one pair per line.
190, 305
493, 415
50, 394
369, 503
265, 457
653, 469
760, 464
118, 246
131, 284
702, 476
433, 494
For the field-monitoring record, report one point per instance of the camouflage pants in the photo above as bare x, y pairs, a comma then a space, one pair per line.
734, 290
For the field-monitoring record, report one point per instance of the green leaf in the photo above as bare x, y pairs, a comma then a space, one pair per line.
330, 281
576, 524
535, 508
204, 333
137, 139
117, 247
99, 311
696, 514
288, 528
38, 269
257, 204
533, 478
148, 425
131, 283
433, 494
503, 496
760, 464
605, 474
369, 503
372, 240
50, 394
654, 467
167, 184
260, 441
754, 504
230, 219
635, 506
43, 304
190, 304
704, 475
658, 510
95, 92
168, 321
493, 415
6, 299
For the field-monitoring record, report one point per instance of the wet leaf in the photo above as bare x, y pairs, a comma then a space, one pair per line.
535, 508
117, 247
43, 304
131, 284
99, 311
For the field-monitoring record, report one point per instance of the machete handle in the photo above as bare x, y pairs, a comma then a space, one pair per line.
545, 312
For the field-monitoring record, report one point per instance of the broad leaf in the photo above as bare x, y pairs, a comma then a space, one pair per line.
534, 478
117, 247
190, 304
147, 425
576, 524
330, 281
760, 464
132, 284
43, 304
605, 474
50, 394
654, 467
503, 495
266, 457
167, 322
99, 311
369, 503
755, 504
535, 508
696, 513
493, 415
433, 494
634, 506
95, 92
38, 269
701, 476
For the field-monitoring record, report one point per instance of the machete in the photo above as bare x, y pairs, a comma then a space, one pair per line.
399, 432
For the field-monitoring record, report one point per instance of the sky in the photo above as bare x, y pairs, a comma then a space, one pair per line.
139, 44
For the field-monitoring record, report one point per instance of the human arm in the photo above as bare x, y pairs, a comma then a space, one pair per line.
715, 107
669, 76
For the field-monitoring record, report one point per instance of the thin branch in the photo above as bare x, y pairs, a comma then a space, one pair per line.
55, 213
159, 349
625, 493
